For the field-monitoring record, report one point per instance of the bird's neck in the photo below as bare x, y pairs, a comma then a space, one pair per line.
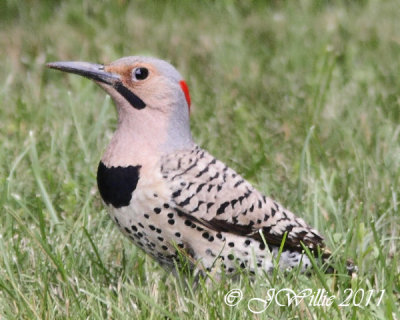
142, 140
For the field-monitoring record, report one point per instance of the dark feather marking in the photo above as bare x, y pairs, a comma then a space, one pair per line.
200, 187
222, 207
238, 183
177, 193
188, 169
289, 227
318, 237
213, 161
116, 184
214, 177
180, 213
198, 206
186, 201
132, 98
189, 185
248, 193
202, 172
233, 202
302, 234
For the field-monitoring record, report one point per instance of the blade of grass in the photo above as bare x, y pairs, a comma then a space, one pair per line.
303, 162
57, 261
39, 180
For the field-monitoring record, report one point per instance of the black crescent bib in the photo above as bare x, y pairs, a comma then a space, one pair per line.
116, 184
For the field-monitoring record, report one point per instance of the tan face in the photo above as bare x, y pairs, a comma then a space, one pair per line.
131, 75
148, 84
140, 81
151, 98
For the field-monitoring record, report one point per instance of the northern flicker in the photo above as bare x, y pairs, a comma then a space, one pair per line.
168, 195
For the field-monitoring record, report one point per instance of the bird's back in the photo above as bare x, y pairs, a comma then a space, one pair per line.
192, 204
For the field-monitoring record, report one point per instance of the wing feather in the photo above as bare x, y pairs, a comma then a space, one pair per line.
205, 189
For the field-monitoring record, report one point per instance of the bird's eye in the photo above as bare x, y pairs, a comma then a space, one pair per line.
140, 74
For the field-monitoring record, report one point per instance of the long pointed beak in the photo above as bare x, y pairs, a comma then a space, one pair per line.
86, 69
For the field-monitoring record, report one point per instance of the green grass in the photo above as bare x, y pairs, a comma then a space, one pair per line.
301, 97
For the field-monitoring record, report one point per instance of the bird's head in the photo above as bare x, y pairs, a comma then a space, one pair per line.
150, 94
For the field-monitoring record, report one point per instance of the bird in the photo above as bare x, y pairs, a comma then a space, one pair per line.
171, 197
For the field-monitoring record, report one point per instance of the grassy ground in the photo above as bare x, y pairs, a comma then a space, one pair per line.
301, 97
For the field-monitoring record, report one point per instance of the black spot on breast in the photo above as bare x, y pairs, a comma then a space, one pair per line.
116, 184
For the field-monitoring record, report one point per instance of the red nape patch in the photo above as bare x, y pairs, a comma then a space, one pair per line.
185, 90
